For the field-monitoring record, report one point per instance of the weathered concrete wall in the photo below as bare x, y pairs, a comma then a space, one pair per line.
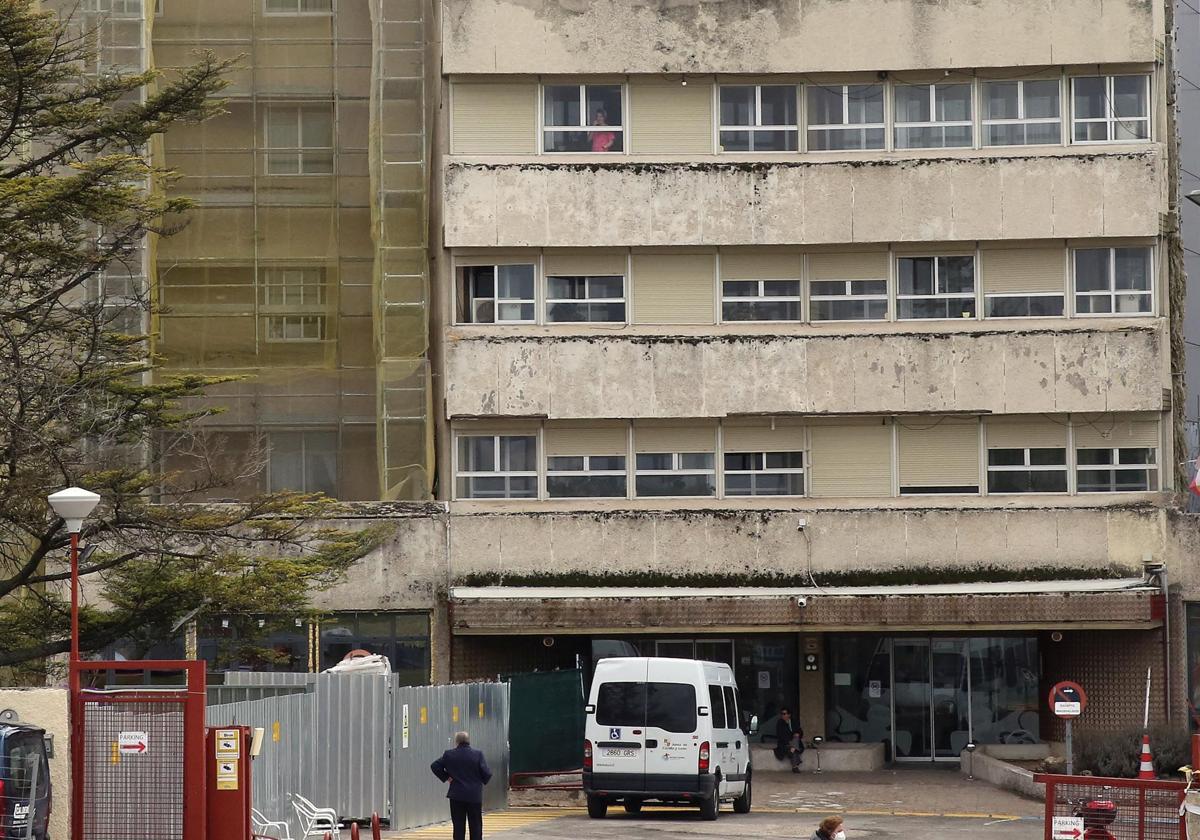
756, 542
711, 376
788, 36
882, 200
47, 708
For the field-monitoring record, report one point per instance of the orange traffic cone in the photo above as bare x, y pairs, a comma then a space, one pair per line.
1146, 769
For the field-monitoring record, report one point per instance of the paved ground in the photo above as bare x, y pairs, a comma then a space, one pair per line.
888, 804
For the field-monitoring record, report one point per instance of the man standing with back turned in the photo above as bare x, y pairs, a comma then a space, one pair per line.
465, 768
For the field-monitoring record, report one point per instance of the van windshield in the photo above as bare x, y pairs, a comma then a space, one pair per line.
669, 706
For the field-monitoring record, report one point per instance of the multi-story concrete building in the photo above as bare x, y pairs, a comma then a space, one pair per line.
789, 303
837, 341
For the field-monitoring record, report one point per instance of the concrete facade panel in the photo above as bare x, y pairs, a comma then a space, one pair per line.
713, 376
787, 36
960, 198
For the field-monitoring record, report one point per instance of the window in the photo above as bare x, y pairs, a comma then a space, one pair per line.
669, 706
497, 467
848, 300
731, 712
1116, 470
621, 704
764, 473
298, 7
716, 706
1028, 305
1034, 470
933, 116
675, 474
759, 118
495, 294
401, 637
299, 328
585, 476
1024, 112
845, 117
299, 139
294, 288
305, 461
1110, 109
582, 118
760, 300
936, 287
578, 298
1112, 281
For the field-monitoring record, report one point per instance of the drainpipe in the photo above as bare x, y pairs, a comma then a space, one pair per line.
1157, 573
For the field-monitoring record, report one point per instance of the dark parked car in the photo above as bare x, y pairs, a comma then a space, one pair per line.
24, 783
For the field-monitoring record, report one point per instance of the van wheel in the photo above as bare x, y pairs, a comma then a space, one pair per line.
710, 808
597, 807
633, 806
741, 805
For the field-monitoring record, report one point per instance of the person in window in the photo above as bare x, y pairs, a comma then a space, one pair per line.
602, 141
789, 739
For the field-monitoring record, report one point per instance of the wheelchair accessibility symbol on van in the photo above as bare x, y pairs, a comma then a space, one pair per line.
614, 734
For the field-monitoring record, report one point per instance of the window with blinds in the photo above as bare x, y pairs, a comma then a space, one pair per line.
851, 460
848, 287
1116, 454
673, 288
938, 455
1024, 282
493, 118
668, 118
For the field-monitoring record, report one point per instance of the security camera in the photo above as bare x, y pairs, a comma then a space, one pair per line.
801, 524
801, 601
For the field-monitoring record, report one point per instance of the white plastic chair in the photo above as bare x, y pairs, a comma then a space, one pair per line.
263, 827
314, 821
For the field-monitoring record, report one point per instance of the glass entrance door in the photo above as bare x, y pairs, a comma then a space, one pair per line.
931, 694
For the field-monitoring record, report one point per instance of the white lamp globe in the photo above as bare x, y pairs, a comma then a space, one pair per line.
73, 505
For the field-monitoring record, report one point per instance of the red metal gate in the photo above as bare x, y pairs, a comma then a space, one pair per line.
138, 752
1143, 809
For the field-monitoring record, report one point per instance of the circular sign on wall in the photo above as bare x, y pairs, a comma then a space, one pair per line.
1068, 699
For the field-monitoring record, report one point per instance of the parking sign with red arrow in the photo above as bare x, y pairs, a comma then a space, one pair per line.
133, 743
1067, 828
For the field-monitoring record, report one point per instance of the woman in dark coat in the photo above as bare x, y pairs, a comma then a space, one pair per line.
789, 739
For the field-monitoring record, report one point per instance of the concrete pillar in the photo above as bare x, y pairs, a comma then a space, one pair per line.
812, 685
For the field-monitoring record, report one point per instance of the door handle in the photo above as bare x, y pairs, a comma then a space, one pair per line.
739, 744
651, 743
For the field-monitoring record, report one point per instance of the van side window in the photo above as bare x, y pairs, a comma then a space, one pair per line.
671, 706
731, 711
716, 701
621, 704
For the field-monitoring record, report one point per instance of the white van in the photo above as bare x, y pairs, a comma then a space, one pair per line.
665, 730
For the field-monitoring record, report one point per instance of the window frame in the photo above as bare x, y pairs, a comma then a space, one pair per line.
1110, 119
757, 124
587, 472
267, 11
973, 296
845, 126
284, 320
931, 90
885, 297
268, 284
543, 129
548, 301
536, 473
1152, 469
1021, 120
802, 471
1065, 469
676, 458
304, 463
1111, 292
989, 296
299, 152
798, 298
496, 322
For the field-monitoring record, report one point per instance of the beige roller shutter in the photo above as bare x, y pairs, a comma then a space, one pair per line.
670, 119
760, 437
1024, 270
851, 460
586, 440
1025, 431
674, 438
673, 289
1113, 431
938, 454
493, 119
743, 265
866, 265
583, 263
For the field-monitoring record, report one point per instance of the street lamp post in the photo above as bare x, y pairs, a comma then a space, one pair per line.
73, 505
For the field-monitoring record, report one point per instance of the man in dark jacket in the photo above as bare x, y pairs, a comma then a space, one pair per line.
789, 739
465, 768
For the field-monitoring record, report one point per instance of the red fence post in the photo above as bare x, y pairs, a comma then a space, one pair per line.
354, 831
376, 828
1047, 829
1196, 753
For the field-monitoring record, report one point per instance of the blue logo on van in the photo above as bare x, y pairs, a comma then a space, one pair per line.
614, 734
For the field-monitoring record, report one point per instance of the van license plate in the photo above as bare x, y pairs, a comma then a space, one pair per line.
623, 752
